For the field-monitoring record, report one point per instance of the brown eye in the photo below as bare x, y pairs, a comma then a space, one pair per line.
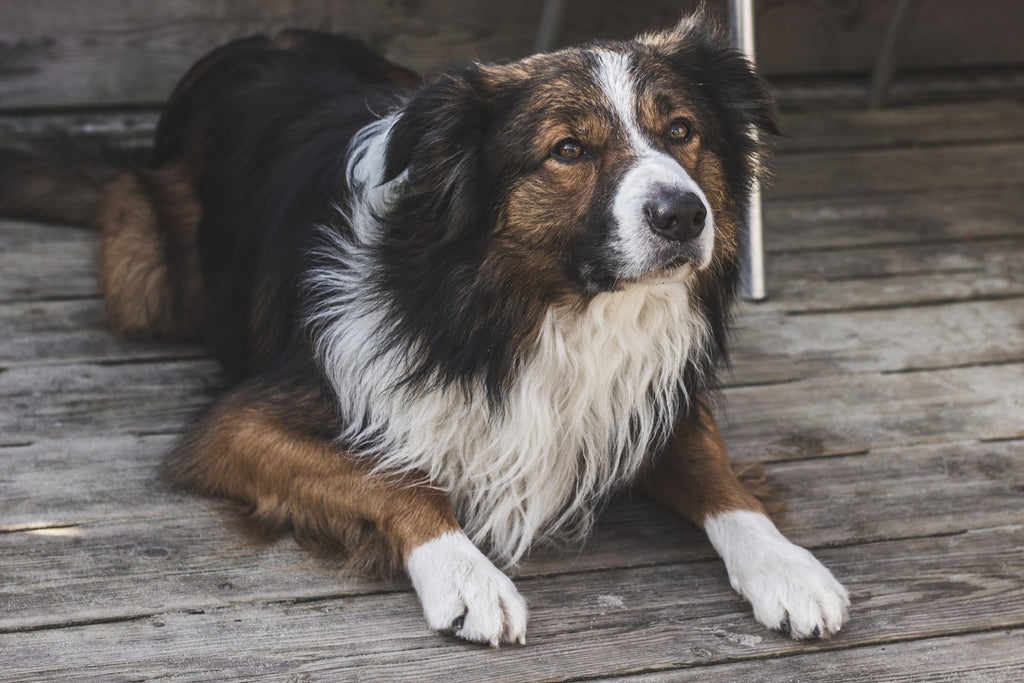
568, 150
679, 130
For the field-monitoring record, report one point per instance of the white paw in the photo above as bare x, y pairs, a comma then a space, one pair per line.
789, 589
461, 589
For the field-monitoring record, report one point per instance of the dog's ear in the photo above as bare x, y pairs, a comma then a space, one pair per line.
438, 145
671, 39
740, 122
701, 50
443, 117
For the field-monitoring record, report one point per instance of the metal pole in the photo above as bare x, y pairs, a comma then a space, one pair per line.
741, 15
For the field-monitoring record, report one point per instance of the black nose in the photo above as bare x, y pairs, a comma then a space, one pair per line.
677, 216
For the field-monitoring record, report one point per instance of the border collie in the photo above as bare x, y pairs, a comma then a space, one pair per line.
457, 316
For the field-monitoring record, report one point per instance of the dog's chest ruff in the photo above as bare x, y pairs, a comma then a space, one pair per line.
598, 390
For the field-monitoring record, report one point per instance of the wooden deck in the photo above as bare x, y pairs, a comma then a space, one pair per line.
883, 383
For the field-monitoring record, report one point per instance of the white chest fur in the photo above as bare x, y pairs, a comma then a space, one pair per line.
599, 388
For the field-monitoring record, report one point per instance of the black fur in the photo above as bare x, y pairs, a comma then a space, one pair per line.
262, 127
60, 179
271, 127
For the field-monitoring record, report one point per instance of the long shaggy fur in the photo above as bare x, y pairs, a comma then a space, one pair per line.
418, 260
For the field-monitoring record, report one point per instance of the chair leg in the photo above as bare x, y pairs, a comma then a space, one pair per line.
550, 23
885, 67
741, 16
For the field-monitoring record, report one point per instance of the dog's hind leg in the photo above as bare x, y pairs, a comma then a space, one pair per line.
789, 588
268, 453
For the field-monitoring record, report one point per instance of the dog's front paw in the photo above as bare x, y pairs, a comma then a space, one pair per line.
789, 589
461, 589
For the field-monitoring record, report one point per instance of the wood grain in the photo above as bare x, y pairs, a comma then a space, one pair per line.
71, 331
784, 348
823, 132
883, 382
886, 171
826, 416
820, 416
116, 52
985, 656
622, 621
80, 512
97, 399
767, 347
103, 52
45, 261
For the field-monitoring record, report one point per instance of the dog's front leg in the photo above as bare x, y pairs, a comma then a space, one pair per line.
248, 449
789, 589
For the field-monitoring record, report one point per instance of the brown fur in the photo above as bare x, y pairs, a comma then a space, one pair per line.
285, 477
148, 262
692, 477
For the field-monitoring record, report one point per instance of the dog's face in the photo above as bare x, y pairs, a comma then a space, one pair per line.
550, 180
605, 164
615, 183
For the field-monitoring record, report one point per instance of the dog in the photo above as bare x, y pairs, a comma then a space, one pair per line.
457, 316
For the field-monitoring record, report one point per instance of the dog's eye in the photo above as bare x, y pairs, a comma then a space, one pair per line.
680, 130
568, 150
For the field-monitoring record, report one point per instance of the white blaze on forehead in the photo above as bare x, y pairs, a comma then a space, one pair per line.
619, 86
651, 172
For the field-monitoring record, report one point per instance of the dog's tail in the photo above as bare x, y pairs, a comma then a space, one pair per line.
148, 264
60, 179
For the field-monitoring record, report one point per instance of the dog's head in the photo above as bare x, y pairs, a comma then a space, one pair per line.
550, 180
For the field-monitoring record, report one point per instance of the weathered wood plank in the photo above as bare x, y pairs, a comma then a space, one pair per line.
41, 332
121, 571
59, 265
778, 348
951, 223
985, 656
824, 416
953, 217
888, 494
94, 399
129, 128
885, 171
892, 279
39, 261
95, 522
82, 480
115, 52
620, 622
820, 416
823, 132
895, 276
110, 51
968, 241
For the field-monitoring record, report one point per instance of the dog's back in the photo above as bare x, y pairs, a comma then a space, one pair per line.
243, 137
